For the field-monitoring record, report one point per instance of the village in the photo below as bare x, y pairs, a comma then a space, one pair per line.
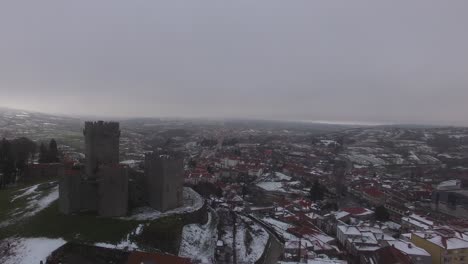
267, 195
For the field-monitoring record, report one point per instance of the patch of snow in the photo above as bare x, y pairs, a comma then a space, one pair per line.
282, 177
126, 243
250, 252
409, 248
199, 241
28, 250
42, 203
192, 201
25, 192
39, 202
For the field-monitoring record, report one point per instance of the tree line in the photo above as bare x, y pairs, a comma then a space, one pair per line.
17, 153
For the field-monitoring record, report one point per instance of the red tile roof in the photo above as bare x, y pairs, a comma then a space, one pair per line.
391, 255
355, 210
374, 192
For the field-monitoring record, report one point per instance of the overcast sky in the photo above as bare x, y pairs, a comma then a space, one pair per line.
369, 61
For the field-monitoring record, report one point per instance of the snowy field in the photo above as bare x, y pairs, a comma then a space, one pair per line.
27, 250
37, 198
199, 241
251, 240
192, 202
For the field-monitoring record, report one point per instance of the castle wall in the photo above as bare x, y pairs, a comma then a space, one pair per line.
70, 193
101, 145
164, 180
137, 190
89, 196
113, 191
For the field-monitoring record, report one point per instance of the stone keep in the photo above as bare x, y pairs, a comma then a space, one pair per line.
70, 193
164, 174
101, 145
112, 190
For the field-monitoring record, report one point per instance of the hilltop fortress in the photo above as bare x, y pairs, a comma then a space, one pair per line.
105, 187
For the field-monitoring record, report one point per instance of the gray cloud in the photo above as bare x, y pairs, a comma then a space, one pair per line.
374, 61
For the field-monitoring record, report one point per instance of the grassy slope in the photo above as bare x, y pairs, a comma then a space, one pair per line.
162, 234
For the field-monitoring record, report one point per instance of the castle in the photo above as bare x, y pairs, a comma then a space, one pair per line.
109, 188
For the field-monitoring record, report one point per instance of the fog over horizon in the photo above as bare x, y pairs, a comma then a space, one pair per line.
340, 61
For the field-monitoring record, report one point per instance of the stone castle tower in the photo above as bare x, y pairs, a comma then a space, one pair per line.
164, 175
101, 145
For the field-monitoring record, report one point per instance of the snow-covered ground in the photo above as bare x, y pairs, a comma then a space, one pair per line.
25, 192
199, 241
192, 202
27, 250
251, 240
37, 199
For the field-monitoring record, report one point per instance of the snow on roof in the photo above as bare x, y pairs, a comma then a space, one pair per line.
349, 230
341, 214
392, 225
409, 248
443, 242
449, 185
358, 211
271, 186
282, 177
367, 248
422, 219
415, 223
276, 223
456, 243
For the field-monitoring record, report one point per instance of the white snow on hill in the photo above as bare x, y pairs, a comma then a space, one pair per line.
251, 240
199, 241
25, 192
28, 250
37, 199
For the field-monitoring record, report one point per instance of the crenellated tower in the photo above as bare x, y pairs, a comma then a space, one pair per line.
101, 145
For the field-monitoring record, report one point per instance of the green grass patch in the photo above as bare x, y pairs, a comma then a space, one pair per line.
6, 206
163, 234
84, 227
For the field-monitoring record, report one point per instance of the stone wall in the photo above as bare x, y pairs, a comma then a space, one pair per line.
137, 190
101, 145
89, 196
112, 191
70, 193
164, 176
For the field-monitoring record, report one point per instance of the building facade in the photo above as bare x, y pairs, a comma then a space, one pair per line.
442, 249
